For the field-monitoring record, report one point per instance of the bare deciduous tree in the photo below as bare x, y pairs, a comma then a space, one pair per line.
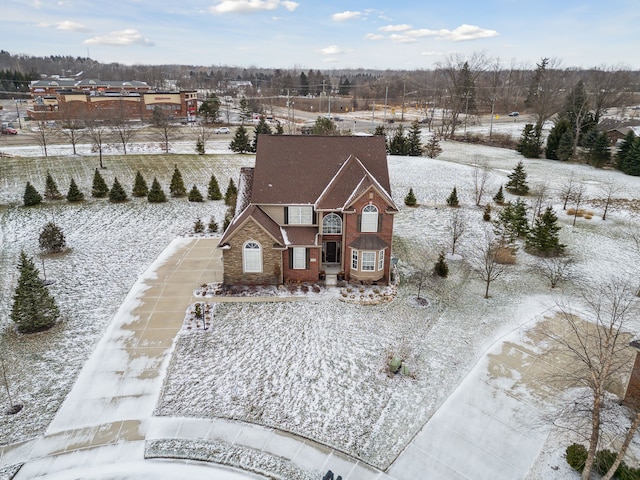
123, 130
44, 133
99, 134
72, 128
480, 177
556, 269
609, 189
457, 227
540, 193
578, 199
485, 260
596, 347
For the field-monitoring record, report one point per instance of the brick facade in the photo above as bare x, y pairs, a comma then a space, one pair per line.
271, 258
307, 275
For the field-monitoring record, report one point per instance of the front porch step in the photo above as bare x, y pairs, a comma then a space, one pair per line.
331, 280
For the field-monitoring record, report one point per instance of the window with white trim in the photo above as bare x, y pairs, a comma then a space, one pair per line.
381, 260
252, 257
299, 258
354, 259
369, 222
368, 261
300, 215
332, 223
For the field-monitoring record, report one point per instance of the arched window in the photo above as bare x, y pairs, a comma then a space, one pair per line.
252, 257
369, 221
332, 223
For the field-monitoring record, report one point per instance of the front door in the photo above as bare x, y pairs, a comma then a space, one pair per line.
331, 252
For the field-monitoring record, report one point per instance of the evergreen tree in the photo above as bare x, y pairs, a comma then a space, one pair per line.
564, 151
198, 226
632, 161
117, 193
213, 226
543, 237
195, 195
262, 128
177, 188
240, 141
213, 192
100, 188
140, 188
279, 129
381, 131
52, 239
599, 152
452, 199
31, 196
624, 149
414, 143
74, 194
433, 148
399, 144
231, 194
553, 140
324, 126
210, 109
200, 146
51, 191
512, 222
529, 145
156, 194
441, 269
499, 196
486, 214
517, 183
34, 309
410, 199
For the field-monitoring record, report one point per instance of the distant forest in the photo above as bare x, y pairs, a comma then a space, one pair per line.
477, 84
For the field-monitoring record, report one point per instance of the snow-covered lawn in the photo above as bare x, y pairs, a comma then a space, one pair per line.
315, 367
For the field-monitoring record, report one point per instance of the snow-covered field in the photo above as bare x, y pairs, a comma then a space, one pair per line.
318, 370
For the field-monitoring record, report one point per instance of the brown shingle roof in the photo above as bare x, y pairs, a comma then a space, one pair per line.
369, 242
261, 218
296, 169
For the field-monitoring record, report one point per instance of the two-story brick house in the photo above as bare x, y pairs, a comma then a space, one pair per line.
312, 205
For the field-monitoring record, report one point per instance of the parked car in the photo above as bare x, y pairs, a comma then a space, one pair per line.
9, 131
514, 114
222, 130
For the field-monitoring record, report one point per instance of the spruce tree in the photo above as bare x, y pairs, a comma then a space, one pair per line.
441, 269
213, 192
433, 148
140, 188
231, 194
100, 188
200, 146
410, 199
117, 193
599, 152
195, 195
543, 237
31, 196
564, 151
52, 239
529, 145
177, 188
399, 144
240, 141
512, 222
34, 309
156, 194
213, 225
414, 142
51, 191
517, 183
553, 139
381, 131
74, 194
624, 149
452, 199
499, 196
262, 128
198, 226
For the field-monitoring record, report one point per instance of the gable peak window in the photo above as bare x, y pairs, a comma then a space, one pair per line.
332, 223
369, 222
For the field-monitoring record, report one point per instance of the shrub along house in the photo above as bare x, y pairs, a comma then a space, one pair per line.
312, 205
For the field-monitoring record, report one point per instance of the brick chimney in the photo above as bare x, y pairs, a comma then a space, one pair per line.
632, 397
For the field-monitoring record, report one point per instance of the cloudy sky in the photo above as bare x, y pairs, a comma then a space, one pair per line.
325, 34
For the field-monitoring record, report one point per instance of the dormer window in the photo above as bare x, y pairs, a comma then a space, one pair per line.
300, 215
369, 222
332, 224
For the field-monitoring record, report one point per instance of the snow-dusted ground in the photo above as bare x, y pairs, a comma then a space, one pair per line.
318, 370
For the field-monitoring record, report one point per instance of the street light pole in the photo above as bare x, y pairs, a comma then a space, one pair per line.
18, 113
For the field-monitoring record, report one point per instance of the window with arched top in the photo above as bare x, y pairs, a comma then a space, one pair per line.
332, 224
252, 257
369, 222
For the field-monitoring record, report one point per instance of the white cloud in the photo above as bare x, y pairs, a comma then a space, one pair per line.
248, 6
395, 28
469, 32
346, 15
373, 36
332, 50
120, 38
72, 26
402, 38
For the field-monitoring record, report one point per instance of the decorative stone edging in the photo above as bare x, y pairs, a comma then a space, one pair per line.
223, 453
